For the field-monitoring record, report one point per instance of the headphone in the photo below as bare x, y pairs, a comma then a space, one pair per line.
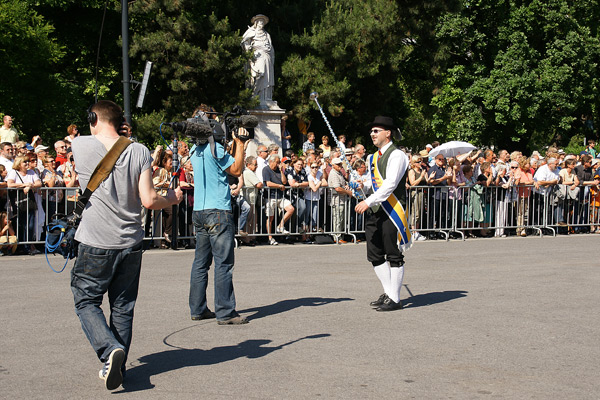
92, 117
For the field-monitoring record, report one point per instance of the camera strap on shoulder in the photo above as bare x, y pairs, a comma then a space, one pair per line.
60, 235
102, 171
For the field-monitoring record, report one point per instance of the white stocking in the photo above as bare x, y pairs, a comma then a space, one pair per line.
396, 276
383, 273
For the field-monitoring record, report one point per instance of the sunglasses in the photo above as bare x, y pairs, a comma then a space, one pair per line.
314, 166
376, 130
513, 167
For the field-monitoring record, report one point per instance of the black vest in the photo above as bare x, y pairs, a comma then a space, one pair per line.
400, 191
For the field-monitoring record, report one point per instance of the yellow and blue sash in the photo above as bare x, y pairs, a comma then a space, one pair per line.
393, 208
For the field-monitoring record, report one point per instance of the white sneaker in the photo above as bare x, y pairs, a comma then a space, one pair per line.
111, 372
282, 230
273, 242
419, 237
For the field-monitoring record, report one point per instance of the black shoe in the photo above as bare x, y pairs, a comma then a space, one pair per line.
389, 305
207, 314
379, 301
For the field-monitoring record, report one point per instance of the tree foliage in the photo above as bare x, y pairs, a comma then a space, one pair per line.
523, 73
508, 73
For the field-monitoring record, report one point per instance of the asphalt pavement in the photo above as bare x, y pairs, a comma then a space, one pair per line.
513, 318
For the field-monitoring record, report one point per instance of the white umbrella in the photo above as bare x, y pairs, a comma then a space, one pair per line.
452, 149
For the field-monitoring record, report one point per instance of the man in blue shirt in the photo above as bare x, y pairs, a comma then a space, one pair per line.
213, 220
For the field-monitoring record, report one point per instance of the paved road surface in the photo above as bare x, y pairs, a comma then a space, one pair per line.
512, 318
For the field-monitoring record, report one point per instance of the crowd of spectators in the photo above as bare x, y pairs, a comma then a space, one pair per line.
282, 195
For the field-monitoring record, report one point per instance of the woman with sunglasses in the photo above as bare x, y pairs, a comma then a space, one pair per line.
51, 178
22, 177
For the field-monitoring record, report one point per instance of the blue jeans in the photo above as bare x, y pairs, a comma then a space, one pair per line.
312, 215
244, 208
214, 239
96, 272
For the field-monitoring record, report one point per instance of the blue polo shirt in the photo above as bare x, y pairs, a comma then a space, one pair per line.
211, 189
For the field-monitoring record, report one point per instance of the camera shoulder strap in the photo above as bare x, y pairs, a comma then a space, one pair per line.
102, 171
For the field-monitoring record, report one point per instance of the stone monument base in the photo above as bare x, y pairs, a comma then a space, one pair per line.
268, 130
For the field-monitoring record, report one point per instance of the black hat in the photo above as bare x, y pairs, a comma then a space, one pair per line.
387, 123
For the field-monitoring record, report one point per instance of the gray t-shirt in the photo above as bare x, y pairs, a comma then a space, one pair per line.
112, 217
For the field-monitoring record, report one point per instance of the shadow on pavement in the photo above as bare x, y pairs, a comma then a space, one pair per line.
427, 299
287, 305
138, 377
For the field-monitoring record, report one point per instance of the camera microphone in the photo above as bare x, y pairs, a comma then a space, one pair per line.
197, 128
248, 121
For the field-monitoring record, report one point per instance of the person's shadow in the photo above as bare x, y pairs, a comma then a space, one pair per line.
288, 305
427, 299
138, 377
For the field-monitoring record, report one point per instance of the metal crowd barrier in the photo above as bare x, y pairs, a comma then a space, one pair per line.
432, 210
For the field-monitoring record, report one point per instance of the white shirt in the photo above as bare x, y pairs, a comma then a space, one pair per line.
396, 168
260, 164
544, 174
8, 164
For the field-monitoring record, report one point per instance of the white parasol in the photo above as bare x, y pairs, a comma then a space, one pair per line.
452, 149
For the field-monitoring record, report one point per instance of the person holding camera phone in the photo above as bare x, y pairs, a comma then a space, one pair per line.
110, 238
213, 220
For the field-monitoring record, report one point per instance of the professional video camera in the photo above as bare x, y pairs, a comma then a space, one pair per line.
201, 129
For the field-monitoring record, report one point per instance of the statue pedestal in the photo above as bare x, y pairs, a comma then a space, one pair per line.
268, 130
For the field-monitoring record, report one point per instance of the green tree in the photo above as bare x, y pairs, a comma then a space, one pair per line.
367, 58
521, 74
28, 50
196, 57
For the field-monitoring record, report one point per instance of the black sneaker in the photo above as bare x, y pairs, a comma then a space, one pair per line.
389, 305
111, 372
207, 314
379, 301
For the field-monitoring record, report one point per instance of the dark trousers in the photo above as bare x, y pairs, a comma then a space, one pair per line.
382, 239
113, 271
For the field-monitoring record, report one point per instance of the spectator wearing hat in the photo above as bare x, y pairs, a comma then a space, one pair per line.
427, 157
41, 151
287, 165
387, 166
8, 133
339, 195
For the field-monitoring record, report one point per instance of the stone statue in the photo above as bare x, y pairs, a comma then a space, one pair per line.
262, 78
